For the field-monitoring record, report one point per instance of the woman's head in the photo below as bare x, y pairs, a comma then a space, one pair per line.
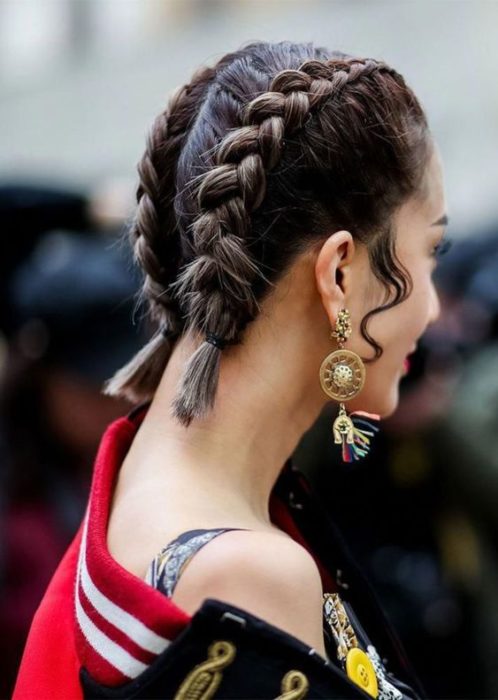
345, 277
281, 157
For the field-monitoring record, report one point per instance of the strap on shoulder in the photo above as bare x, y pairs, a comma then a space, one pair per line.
166, 567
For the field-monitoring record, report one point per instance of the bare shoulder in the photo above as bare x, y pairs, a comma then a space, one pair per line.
268, 574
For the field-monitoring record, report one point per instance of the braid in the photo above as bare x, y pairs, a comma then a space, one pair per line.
203, 241
154, 232
216, 287
154, 236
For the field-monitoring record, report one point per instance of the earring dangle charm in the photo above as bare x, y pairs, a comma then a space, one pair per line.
342, 376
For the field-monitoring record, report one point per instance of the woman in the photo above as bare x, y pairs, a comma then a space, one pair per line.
290, 210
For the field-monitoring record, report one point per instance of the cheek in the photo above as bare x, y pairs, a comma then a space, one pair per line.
380, 393
396, 330
420, 303
403, 325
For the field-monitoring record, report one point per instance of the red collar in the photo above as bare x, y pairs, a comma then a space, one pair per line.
123, 623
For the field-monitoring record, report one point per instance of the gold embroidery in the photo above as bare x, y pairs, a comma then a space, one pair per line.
340, 625
204, 679
294, 686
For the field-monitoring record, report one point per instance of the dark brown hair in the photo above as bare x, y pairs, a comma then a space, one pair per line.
256, 159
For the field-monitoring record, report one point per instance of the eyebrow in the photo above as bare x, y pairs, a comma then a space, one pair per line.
442, 221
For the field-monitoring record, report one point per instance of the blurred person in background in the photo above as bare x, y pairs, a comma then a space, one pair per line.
68, 295
464, 439
428, 488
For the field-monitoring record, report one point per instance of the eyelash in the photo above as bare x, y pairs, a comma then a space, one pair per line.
442, 247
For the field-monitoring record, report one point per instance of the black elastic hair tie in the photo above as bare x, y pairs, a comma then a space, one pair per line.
218, 341
215, 340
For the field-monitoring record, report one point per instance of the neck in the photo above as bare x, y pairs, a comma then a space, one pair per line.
235, 454
268, 396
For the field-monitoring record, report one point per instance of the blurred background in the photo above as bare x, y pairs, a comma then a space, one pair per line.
80, 83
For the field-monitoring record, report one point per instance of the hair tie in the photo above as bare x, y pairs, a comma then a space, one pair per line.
218, 341
215, 340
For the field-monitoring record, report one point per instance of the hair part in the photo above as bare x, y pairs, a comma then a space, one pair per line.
253, 162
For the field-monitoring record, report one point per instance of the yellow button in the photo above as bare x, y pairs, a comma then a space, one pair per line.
361, 671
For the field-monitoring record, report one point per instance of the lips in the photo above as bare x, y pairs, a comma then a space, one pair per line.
407, 362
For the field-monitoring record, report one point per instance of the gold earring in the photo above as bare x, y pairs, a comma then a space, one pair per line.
342, 376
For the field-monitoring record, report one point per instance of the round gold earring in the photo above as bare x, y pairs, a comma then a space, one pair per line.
342, 373
342, 377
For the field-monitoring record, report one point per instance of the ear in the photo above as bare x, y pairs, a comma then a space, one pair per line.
333, 272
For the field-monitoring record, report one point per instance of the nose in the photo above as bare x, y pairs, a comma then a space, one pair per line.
435, 305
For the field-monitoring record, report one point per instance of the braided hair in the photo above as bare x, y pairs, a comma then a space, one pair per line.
254, 162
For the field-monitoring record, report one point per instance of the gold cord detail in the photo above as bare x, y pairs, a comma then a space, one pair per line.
294, 686
203, 680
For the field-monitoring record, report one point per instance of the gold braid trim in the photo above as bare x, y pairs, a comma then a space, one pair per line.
294, 686
340, 624
204, 679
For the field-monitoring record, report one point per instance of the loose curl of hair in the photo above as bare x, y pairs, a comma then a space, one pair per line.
254, 161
